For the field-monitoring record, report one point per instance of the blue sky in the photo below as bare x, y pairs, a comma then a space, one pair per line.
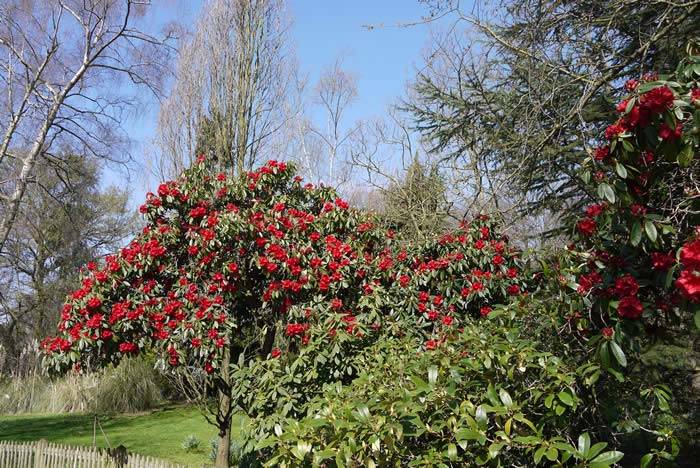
384, 59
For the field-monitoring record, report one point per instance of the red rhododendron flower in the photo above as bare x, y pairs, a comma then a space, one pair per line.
657, 100
594, 210
607, 332
690, 255
622, 106
485, 311
626, 286
95, 321
615, 130
601, 153
513, 289
431, 344
695, 95
631, 84
668, 133
630, 308
587, 226
275, 353
295, 329
128, 348
662, 261
638, 210
689, 285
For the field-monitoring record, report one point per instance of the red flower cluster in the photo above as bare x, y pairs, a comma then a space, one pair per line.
621, 250
587, 226
262, 249
689, 280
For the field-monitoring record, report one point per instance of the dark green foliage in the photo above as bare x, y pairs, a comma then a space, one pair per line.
523, 101
416, 207
65, 221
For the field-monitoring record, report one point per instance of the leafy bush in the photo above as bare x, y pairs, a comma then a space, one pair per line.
487, 395
191, 443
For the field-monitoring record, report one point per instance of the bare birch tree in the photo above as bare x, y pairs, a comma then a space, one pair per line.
232, 80
64, 68
323, 138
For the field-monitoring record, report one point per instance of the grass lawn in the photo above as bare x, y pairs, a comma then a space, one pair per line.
158, 433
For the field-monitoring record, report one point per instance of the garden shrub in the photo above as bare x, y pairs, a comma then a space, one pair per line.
622, 299
486, 395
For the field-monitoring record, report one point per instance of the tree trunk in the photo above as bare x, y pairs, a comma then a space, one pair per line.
223, 417
223, 452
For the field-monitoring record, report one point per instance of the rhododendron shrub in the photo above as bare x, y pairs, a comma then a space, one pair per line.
488, 395
221, 266
645, 174
629, 278
233, 274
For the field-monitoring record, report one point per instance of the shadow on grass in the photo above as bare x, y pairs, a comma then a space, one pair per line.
158, 433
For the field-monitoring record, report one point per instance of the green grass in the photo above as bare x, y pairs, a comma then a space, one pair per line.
158, 433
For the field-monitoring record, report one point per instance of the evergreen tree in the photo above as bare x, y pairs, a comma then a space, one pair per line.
416, 206
523, 101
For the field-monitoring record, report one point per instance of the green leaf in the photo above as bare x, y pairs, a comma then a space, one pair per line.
604, 354
596, 449
584, 443
618, 353
685, 157
551, 454
646, 460
627, 146
538, 454
491, 393
566, 398
481, 416
636, 233
505, 398
607, 192
432, 375
451, 451
607, 458
363, 411
323, 455
467, 434
620, 169
650, 230
697, 319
